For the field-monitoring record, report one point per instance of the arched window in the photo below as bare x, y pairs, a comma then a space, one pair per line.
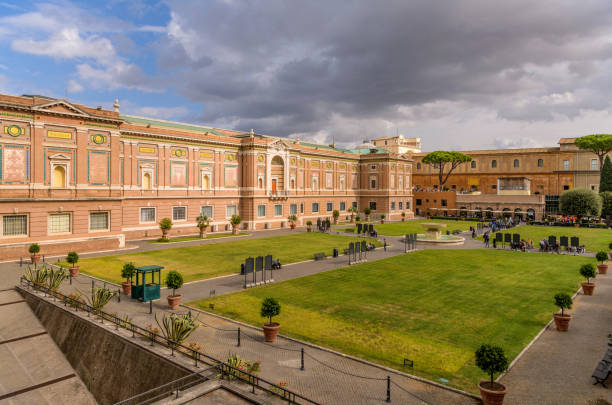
418, 166
473, 164
206, 182
516, 163
59, 176
540, 162
494, 164
146, 181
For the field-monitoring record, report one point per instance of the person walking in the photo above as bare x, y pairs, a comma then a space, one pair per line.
385, 244
486, 239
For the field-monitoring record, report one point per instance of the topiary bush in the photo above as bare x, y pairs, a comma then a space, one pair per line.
491, 359
270, 308
580, 202
336, 214
165, 224
563, 301
174, 280
127, 271
72, 258
601, 256
588, 271
367, 211
34, 248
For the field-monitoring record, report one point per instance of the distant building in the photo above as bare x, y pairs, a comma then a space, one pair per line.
398, 144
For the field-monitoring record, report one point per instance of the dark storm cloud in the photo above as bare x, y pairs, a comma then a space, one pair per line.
285, 67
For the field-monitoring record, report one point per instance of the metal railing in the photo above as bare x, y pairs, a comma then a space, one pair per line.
225, 369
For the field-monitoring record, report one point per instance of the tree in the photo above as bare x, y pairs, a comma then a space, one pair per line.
203, 223
127, 271
235, 220
606, 204
599, 144
580, 202
165, 225
270, 308
563, 301
491, 360
605, 176
174, 280
443, 159
588, 271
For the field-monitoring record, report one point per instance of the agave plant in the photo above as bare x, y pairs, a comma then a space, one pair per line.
177, 328
55, 278
100, 297
37, 276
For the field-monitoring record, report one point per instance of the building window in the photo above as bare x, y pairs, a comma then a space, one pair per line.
373, 205
372, 183
147, 214
342, 206
594, 164
418, 202
330, 207
540, 162
98, 221
207, 210
59, 176
354, 204
261, 210
293, 209
179, 213
565, 187
516, 163
418, 166
59, 223
444, 203
373, 167
401, 205
473, 164
494, 164
407, 205
301, 208
494, 186
392, 205
14, 225
147, 181
454, 186
566, 165
278, 210
315, 207
230, 210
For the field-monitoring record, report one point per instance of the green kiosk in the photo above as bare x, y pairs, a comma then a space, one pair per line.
146, 289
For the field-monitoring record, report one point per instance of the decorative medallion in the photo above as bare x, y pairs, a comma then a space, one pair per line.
293, 161
329, 165
14, 130
179, 153
230, 156
260, 158
98, 139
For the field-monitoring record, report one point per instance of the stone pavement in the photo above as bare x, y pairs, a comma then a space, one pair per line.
34, 370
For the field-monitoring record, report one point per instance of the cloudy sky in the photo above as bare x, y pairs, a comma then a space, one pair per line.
460, 75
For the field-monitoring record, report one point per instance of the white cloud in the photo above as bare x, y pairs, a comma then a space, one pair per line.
160, 112
74, 86
152, 28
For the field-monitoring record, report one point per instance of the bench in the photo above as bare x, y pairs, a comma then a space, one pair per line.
319, 256
603, 369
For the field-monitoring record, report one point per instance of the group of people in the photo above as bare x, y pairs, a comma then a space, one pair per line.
522, 245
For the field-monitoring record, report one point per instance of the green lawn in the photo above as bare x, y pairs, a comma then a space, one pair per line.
419, 307
413, 226
216, 259
197, 237
593, 239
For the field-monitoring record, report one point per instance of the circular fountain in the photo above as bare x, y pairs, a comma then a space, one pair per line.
433, 236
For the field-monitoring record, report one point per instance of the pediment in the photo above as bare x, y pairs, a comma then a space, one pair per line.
62, 107
278, 144
59, 156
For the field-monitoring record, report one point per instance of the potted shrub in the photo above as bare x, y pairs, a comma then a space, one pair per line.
588, 271
335, 214
562, 320
126, 272
367, 213
165, 225
73, 258
34, 249
602, 267
309, 226
235, 220
403, 216
491, 360
357, 218
382, 218
352, 210
327, 223
203, 223
292, 218
270, 308
174, 280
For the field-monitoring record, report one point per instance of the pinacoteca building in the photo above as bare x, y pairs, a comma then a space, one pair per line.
79, 178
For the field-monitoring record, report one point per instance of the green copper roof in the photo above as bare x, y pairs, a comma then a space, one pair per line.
365, 151
169, 124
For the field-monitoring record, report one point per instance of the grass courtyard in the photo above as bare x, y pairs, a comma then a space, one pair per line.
217, 259
419, 307
593, 239
414, 226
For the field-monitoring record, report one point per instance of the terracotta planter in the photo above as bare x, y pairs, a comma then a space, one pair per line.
174, 301
492, 395
602, 268
403, 219
234, 230
35, 258
562, 322
74, 271
271, 331
382, 221
587, 288
309, 229
127, 287
292, 226
164, 234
